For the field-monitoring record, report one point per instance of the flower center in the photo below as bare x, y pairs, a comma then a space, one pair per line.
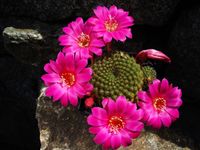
115, 123
111, 24
83, 40
159, 104
68, 78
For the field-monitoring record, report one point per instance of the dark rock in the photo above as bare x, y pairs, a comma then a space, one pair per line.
47, 10
18, 128
184, 51
153, 12
19, 81
30, 41
18, 91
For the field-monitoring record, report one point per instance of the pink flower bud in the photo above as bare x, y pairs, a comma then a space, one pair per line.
89, 102
152, 54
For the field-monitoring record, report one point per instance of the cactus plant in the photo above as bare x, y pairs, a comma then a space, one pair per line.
117, 75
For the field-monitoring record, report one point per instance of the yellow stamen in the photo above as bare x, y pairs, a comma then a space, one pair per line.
68, 78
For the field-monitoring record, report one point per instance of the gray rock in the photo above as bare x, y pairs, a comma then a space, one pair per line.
30, 41
62, 128
151, 141
152, 12
184, 49
65, 128
18, 36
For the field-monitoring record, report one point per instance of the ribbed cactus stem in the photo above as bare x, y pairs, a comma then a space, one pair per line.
117, 75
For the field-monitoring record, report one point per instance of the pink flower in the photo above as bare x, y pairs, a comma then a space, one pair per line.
152, 54
116, 123
113, 23
160, 103
67, 79
80, 39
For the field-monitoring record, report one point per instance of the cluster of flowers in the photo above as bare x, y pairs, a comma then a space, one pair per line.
68, 79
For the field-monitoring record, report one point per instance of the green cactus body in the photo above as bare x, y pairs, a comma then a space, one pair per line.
149, 75
117, 75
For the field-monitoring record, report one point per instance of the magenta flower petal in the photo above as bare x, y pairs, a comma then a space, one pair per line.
58, 93
61, 58
111, 107
64, 100
86, 71
100, 113
173, 112
52, 77
154, 121
134, 126
107, 37
116, 141
134, 134
143, 96
48, 68
55, 68
88, 87
64, 76
81, 64
153, 88
105, 102
91, 120
125, 138
101, 136
137, 114
72, 97
112, 23
164, 86
107, 144
83, 77
160, 104
97, 51
165, 118
80, 39
116, 123
121, 104
79, 89
50, 90
94, 130
177, 102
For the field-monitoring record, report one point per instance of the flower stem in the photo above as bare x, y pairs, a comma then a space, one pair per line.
92, 59
109, 47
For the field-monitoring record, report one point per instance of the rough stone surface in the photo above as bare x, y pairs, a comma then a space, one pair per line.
62, 128
151, 141
65, 128
30, 41
184, 51
47, 10
21, 35
152, 12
